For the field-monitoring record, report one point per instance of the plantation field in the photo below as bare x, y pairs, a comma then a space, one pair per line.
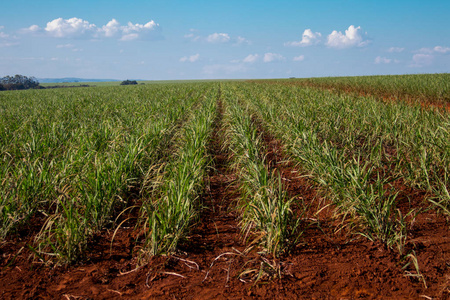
427, 88
294, 188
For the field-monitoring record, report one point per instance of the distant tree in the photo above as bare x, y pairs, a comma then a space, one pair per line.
128, 82
18, 82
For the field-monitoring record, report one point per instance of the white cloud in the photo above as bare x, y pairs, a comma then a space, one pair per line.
251, 58
425, 56
421, 60
441, 49
424, 50
299, 58
395, 50
131, 31
269, 57
437, 49
6, 40
382, 60
78, 28
72, 27
129, 37
241, 40
34, 28
351, 38
192, 58
31, 29
309, 38
132, 28
192, 37
218, 38
111, 28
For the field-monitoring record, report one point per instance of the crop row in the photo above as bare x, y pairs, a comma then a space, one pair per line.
72, 157
266, 215
169, 213
72, 160
358, 148
427, 88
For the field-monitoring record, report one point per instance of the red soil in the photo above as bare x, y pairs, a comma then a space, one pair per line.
215, 263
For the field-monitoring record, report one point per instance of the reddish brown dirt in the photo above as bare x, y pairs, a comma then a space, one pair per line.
213, 263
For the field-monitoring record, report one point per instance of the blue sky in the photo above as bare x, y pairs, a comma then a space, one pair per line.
159, 40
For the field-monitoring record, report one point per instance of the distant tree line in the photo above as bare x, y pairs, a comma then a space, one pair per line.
128, 82
18, 82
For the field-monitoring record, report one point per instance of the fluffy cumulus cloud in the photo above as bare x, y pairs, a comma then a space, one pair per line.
218, 38
79, 28
134, 31
270, 57
192, 58
111, 28
251, 58
309, 38
353, 37
69, 27
299, 58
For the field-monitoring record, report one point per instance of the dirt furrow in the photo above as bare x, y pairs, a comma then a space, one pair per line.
328, 263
